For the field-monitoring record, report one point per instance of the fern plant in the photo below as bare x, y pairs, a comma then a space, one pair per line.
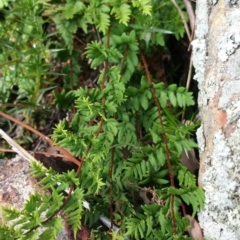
38, 219
24, 56
125, 132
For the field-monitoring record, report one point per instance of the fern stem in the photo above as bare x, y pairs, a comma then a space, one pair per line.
97, 133
111, 187
164, 138
124, 60
183, 18
71, 74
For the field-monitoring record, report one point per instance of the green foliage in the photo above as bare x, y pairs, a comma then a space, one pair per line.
3, 3
23, 53
125, 129
148, 21
30, 223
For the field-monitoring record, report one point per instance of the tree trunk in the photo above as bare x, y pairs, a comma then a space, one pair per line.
217, 70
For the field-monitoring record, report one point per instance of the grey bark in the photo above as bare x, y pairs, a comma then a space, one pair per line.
217, 65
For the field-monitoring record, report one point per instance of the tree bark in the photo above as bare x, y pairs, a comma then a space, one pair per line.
217, 70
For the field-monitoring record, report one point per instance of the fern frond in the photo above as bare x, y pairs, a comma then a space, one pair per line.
144, 6
138, 227
9, 233
10, 213
122, 12
73, 7
66, 29
74, 210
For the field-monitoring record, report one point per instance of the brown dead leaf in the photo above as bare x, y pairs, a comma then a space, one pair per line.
194, 230
190, 161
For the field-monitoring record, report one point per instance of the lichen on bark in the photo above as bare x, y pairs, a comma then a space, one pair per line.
217, 65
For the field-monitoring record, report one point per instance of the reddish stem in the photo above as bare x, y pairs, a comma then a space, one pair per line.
164, 138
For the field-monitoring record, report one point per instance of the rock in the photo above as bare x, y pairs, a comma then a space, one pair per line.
15, 182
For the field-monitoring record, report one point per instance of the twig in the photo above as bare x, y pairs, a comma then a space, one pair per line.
183, 19
48, 154
17, 148
10, 62
191, 14
189, 72
50, 141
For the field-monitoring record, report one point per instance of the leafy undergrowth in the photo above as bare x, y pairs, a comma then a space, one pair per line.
96, 61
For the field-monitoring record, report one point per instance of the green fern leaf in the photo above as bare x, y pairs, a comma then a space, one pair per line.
74, 211
144, 6
122, 13
10, 214
73, 7
66, 29
103, 22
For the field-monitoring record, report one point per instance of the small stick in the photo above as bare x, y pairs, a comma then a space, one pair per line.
183, 19
17, 148
69, 156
